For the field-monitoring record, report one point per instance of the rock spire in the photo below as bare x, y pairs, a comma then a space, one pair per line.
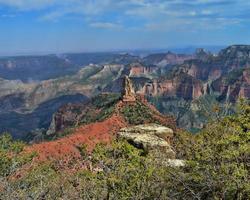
128, 90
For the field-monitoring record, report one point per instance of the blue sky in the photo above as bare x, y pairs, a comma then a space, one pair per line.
46, 26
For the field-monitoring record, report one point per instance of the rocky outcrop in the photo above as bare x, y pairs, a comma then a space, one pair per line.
67, 116
128, 92
152, 138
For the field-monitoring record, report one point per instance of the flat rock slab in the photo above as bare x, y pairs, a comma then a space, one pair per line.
150, 137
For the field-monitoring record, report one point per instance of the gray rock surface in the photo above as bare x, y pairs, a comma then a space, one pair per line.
152, 138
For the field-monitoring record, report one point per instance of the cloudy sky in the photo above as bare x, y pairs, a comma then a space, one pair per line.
34, 26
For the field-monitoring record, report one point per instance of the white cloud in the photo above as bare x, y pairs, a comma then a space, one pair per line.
87, 6
154, 13
28, 4
191, 25
78, 7
105, 25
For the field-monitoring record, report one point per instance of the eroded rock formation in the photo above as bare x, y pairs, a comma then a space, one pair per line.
185, 87
128, 91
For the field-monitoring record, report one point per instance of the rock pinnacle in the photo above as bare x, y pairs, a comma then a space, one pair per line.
128, 91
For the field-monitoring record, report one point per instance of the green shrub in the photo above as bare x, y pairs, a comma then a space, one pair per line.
138, 114
217, 167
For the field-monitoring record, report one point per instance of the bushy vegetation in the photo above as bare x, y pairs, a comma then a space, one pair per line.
10, 158
217, 167
124, 174
105, 103
106, 100
138, 113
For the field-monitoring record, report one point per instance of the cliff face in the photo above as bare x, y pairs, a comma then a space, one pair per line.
190, 90
137, 70
183, 86
202, 70
68, 116
213, 67
233, 85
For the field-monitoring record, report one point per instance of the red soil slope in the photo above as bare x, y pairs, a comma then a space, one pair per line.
66, 148
90, 135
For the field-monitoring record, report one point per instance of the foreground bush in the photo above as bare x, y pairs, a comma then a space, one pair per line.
219, 160
217, 167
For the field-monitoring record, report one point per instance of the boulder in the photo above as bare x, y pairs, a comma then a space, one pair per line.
152, 138
175, 163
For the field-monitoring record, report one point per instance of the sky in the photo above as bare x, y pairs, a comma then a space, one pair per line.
56, 26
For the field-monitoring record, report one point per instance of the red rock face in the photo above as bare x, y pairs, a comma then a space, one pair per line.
187, 89
138, 70
158, 88
204, 73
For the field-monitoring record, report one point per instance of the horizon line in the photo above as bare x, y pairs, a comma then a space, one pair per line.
125, 50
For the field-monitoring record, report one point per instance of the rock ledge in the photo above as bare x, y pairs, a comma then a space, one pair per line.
152, 138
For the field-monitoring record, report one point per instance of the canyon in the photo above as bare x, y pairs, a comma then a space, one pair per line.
187, 87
